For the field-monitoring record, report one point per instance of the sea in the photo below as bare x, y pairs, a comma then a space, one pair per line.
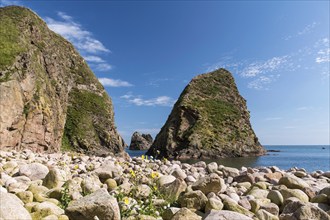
309, 157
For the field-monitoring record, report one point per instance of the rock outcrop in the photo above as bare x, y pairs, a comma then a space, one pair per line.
209, 120
50, 99
140, 141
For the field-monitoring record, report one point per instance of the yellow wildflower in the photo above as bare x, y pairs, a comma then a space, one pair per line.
126, 200
76, 167
142, 157
154, 175
155, 187
132, 173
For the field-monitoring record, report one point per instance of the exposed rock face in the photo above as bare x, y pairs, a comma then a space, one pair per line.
49, 96
140, 141
209, 120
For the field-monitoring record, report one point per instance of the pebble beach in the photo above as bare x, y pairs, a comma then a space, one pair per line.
76, 186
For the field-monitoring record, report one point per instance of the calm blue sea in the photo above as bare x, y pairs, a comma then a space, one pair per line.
310, 157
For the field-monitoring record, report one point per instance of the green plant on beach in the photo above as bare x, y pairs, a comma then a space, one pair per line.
130, 204
65, 198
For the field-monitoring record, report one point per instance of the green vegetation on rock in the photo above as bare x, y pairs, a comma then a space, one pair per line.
210, 119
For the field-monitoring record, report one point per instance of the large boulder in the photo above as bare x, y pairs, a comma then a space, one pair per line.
140, 141
209, 120
225, 215
12, 207
293, 182
35, 171
50, 99
299, 210
99, 204
208, 184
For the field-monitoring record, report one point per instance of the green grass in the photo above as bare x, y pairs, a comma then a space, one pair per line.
81, 115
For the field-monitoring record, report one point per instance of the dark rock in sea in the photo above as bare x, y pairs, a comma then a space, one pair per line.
209, 120
273, 151
140, 141
50, 99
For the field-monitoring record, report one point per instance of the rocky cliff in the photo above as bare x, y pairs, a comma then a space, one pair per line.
49, 98
209, 120
140, 141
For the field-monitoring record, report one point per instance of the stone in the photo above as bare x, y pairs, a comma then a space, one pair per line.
193, 199
206, 116
39, 192
108, 170
300, 210
212, 167
244, 178
258, 193
244, 202
264, 215
276, 197
140, 141
287, 193
142, 191
34, 171
173, 189
45, 209
208, 184
20, 184
25, 196
271, 208
169, 213
99, 203
179, 173
185, 213
12, 207
165, 179
213, 203
233, 206
50, 217
225, 215
230, 172
90, 184
111, 184
320, 198
293, 182
55, 178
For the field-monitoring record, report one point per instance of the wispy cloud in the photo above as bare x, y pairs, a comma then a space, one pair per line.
158, 101
273, 118
262, 81
75, 33
305, 30
4, 3
83, 40
261, 67
107, 82
304, 108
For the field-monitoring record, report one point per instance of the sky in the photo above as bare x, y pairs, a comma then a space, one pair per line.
146, 52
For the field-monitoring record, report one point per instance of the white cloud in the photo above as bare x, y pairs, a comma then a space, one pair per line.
94, 59
103, 67
304, 108
107, 82
82, 39
4, 3
307, 29
158, 101
270, 65
74, 32
323, 56
273, 118
262, 81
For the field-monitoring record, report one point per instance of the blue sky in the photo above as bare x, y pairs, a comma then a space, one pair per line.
145, 53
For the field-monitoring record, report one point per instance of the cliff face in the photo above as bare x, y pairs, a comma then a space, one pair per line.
49, 98
209, 120
140, 141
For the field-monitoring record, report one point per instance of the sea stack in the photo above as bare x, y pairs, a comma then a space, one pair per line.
49, 97
140, 141
209, 120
